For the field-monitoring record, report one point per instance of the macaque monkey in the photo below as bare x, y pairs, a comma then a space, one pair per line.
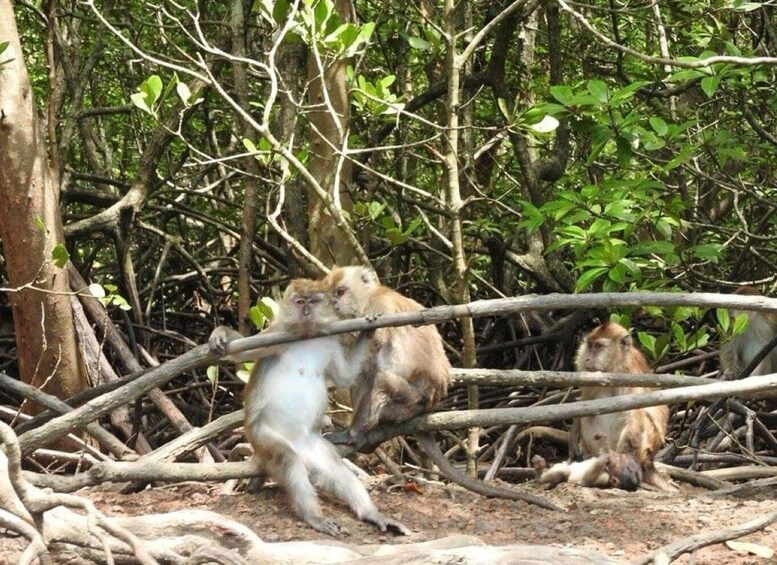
638, 433
608, 470
737, 353
408, 372
285, 401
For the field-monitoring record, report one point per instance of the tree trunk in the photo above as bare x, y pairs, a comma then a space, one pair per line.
329, 121
30, 227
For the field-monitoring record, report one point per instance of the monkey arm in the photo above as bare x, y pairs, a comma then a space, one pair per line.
222, 335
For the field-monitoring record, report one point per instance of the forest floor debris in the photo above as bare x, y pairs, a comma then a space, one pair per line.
623, 526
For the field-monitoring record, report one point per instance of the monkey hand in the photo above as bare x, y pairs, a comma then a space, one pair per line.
539, 464
385, 524
219, 338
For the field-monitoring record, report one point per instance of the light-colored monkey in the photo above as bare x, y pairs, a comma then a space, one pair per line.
407, 374
285, 401
737, 352
608, 470
640, 432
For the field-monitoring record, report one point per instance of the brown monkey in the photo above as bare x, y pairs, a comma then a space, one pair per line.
608, 470
640, 432
737, 352
285, 401
407, 375
409, 372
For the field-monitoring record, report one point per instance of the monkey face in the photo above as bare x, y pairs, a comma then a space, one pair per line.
349, 290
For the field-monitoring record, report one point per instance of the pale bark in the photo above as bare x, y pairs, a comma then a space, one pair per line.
329, 121
30, 227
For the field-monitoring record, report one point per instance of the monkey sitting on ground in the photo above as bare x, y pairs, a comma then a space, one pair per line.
737, 352
608, 470
406, 375
638, 433
285, 401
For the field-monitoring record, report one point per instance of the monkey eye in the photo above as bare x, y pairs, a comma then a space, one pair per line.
341, 291
300, 301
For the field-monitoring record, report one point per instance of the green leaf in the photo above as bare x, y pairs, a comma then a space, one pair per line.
97, 290
280, 11
139, 100
724, 320
647, 341
709, 85
418, 43
589, 277
708, 252
741, 322
561, 93
249, 145
257, 317
183, 92
212, 373
504, 109
244, 375
546, 125
269, 307
658, 125
60, 255
599, 90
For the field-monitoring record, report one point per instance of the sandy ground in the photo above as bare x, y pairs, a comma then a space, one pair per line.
618, 524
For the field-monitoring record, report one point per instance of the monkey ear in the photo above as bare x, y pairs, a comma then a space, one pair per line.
626, 341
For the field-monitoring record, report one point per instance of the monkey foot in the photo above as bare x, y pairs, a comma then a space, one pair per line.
383, 523
326, 525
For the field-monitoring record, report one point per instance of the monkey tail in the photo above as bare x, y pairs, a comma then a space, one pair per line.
451, 473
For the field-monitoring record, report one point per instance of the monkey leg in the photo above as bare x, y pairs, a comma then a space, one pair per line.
289, 470
335, 477
391, 399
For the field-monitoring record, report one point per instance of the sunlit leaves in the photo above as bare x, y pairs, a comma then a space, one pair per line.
60, 255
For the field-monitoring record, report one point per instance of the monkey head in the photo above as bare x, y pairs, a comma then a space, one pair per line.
350, 289
625, 473
604, 349
305, 307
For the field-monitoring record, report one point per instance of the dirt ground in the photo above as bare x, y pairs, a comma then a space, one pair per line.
621, 525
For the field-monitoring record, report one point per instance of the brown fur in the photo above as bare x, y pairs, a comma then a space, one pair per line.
737, 352
409, 372
639, 433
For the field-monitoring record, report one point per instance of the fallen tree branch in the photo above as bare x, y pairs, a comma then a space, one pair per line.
560, 379
672, 551
122, 471
200, 356
539, 414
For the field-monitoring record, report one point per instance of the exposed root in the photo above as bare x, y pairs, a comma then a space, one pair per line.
48, 520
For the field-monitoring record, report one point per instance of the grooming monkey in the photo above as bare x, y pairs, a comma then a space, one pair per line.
285, 401
638, 433
608, 470
737, 353
408, 372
